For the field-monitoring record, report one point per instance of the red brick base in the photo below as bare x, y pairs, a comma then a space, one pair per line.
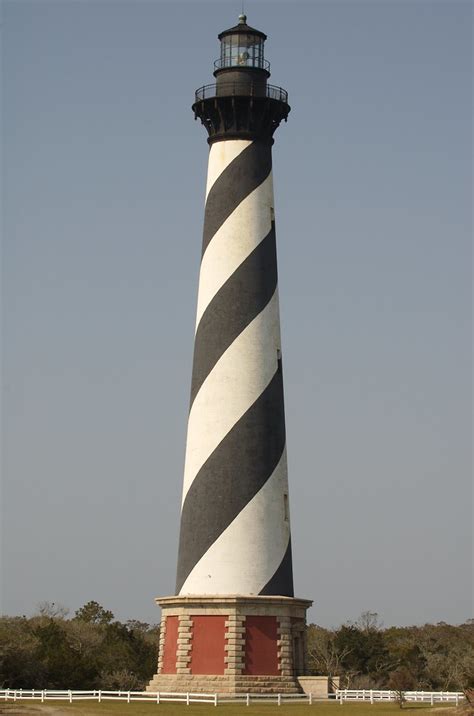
231, 644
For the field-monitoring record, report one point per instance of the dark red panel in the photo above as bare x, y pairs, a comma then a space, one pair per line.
171, 642
261, 647
207, 645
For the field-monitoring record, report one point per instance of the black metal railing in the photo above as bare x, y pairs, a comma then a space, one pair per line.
240, 89
258, 62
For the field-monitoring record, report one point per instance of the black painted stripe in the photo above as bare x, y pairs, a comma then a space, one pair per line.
242, 297
281, 583
239, 179
231, 476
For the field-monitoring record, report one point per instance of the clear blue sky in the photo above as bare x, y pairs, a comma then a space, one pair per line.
103, 189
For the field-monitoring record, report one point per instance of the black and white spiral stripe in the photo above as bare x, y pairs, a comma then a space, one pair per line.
235, 532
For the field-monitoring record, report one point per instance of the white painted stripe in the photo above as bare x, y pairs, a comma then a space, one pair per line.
248, 553
221, 154
238, 236
239, 377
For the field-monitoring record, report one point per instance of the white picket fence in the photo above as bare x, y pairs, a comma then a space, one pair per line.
372, 695
99, 695
157, 697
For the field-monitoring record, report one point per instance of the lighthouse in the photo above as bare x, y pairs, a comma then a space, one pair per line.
234, 624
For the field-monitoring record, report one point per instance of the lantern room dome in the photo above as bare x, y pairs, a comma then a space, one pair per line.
242, 28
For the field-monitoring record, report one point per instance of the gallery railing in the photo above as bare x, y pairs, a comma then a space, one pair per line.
240, 89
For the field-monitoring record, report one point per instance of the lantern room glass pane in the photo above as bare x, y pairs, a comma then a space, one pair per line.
241, 50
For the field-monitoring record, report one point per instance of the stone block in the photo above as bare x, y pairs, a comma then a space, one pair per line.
319, 686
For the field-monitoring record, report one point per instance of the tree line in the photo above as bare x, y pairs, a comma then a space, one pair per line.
94, 650
90, 650
433, 657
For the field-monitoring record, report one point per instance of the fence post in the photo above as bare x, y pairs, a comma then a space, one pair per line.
310, 698
187, 698
70, 696
128, 697
247, 700
215, 699
100, 696
279, 700
340, 698
457, 699
42, 697
371, 696
157, 697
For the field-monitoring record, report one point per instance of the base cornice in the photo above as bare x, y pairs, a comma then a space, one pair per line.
240, 600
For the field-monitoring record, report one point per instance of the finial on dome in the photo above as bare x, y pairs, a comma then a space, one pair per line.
242, 19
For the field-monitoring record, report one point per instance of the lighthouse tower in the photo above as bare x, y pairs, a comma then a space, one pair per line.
234, 624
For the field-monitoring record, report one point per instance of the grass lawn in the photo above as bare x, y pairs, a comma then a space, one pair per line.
90, 708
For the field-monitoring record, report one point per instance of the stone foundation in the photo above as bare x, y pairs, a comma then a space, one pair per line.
319, 686
231, 644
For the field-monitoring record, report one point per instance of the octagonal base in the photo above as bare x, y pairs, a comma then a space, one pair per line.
231, 644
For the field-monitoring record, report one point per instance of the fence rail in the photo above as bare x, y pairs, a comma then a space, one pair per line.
372, 695
100, 695
158, 697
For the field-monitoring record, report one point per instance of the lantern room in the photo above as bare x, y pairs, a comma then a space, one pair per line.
242, 46
241, 103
